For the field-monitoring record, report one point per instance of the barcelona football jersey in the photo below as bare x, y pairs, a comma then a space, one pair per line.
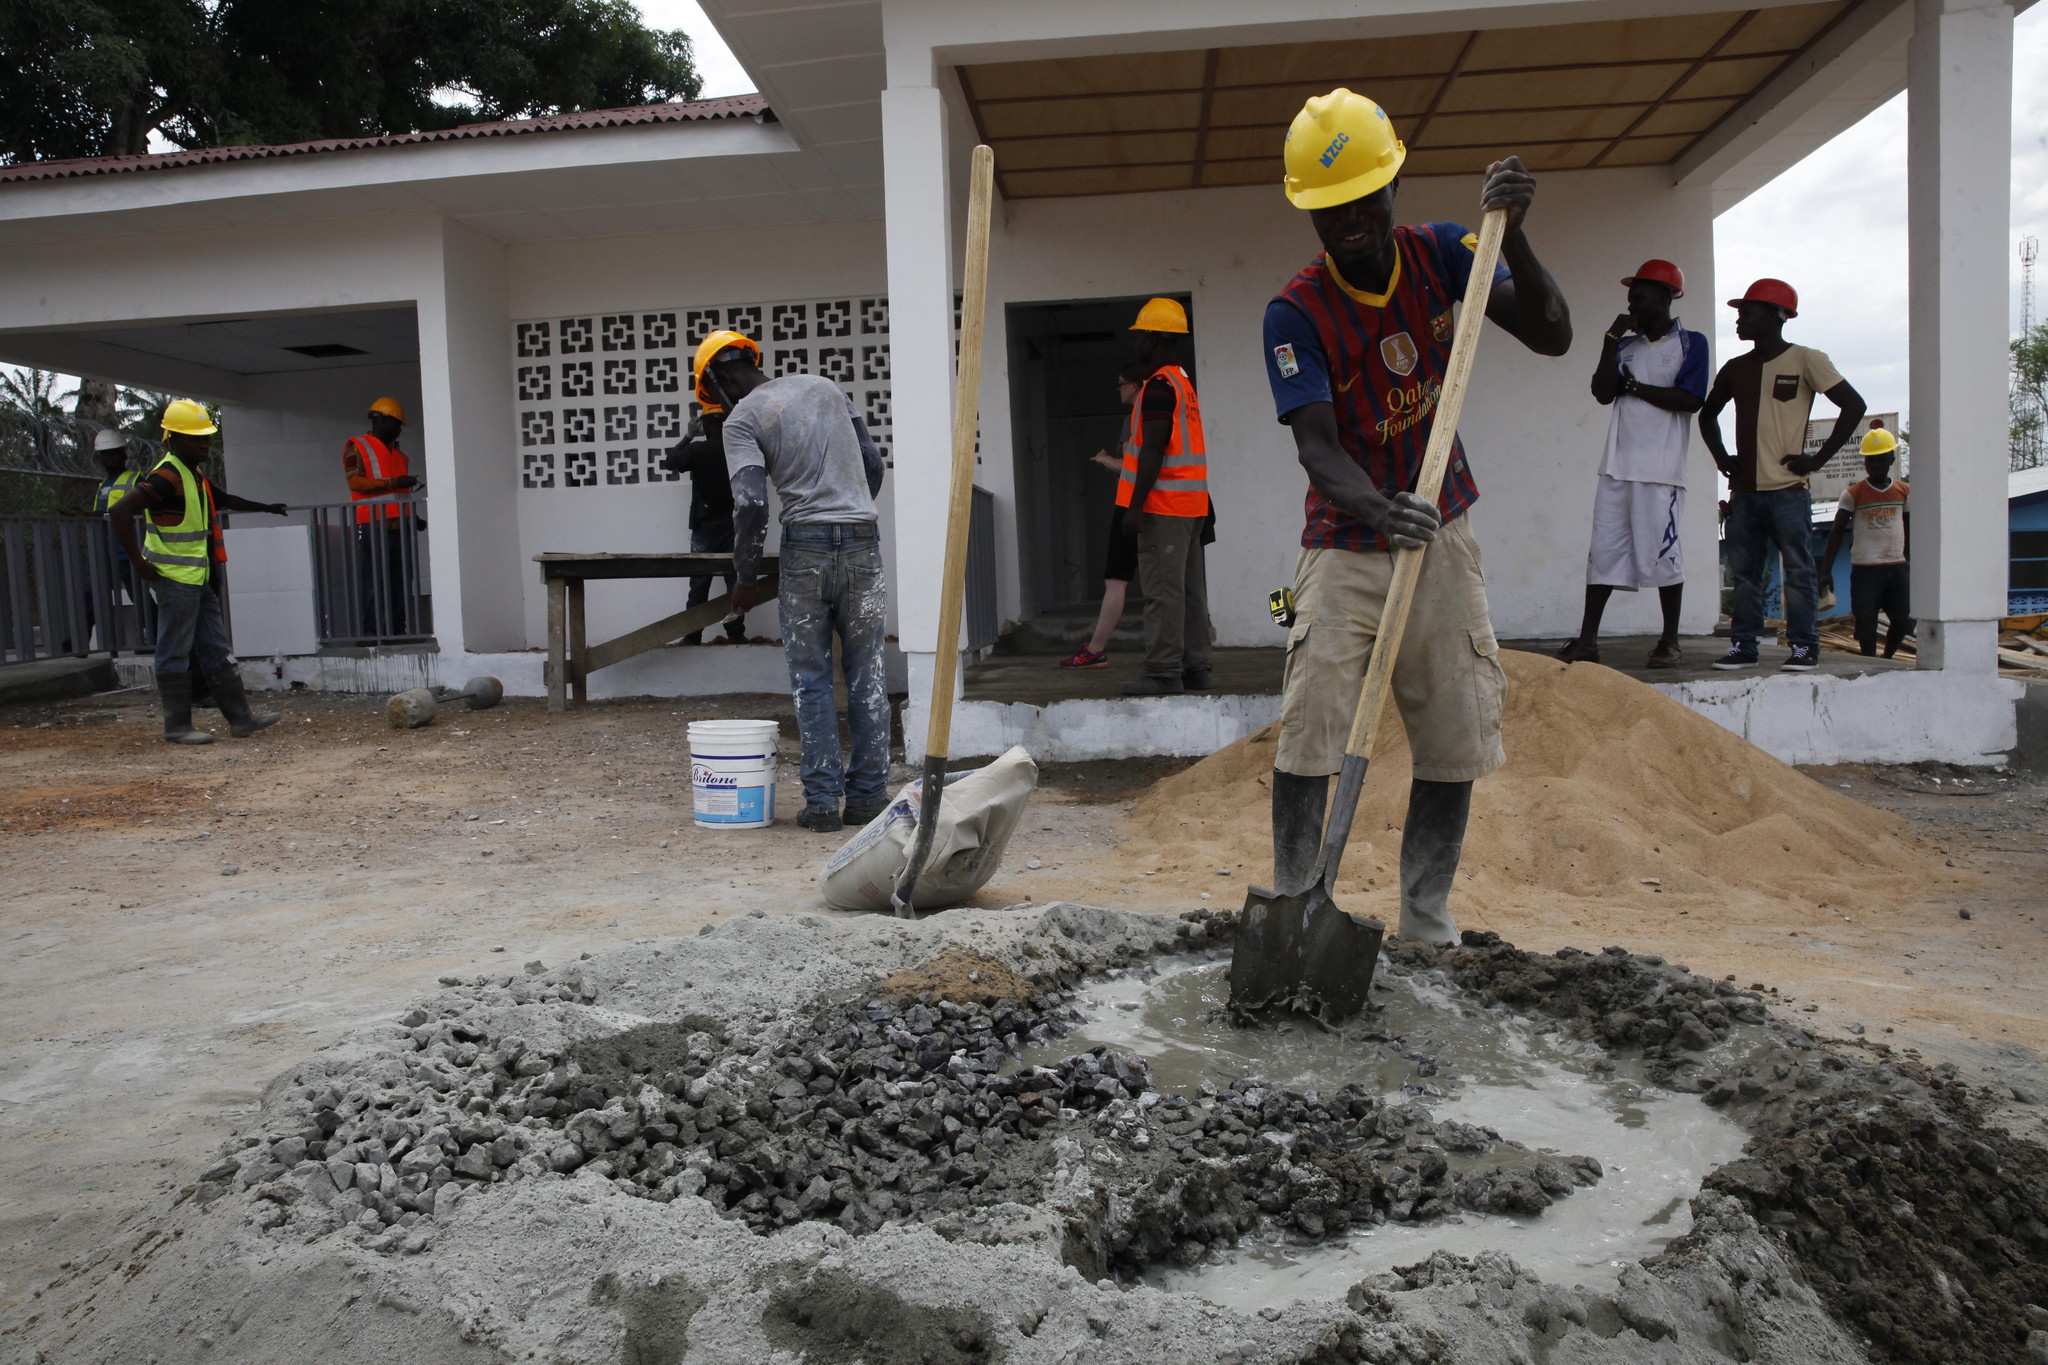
1379, 360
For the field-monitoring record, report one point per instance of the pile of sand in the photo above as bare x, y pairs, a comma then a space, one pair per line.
1608, 784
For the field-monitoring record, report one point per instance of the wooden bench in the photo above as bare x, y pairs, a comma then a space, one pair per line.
571, 660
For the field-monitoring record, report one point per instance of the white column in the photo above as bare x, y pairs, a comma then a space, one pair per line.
469, 444
920, 372
1959, 154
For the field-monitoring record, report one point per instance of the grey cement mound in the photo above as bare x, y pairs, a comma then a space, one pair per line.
798, 1139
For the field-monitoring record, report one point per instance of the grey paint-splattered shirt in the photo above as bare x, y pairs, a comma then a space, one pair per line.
803, 430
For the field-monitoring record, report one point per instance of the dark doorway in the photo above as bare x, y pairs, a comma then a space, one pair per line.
1063, 404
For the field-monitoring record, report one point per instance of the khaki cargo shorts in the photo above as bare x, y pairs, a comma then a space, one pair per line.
1448, 681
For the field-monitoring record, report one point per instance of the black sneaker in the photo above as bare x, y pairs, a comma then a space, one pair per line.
1196, 680
1149, 686
861, 816
1805, 658
1736, 658
824, 821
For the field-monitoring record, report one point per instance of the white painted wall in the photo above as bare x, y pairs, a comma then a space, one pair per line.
283, 439
1532, 430
668, 272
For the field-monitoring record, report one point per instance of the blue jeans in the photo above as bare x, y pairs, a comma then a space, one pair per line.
189, 627
832, 582
1782, 517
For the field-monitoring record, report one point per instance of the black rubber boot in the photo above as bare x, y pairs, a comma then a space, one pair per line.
202, 696
234, 703
1431, 843
1298, 806
858, 817
176, 691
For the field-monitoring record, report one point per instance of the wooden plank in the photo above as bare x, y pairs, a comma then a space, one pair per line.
2019, 660
579, 675
668, 628
558, 637
706, 565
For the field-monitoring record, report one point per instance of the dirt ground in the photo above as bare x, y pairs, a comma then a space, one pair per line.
180, 924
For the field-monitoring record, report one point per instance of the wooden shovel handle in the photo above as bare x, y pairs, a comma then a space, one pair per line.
966, 414
1443, 433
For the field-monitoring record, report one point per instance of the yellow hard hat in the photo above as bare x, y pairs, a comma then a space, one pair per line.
1161, 315
1340, 147
707, 349
390, 407
187, 418
1878, 441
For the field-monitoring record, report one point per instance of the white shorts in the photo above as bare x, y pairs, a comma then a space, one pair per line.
1635, 535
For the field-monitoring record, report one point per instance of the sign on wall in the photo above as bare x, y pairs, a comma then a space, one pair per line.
601, 398
1833, 478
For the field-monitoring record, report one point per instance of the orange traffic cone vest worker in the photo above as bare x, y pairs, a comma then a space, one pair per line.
1178, 485
374, 465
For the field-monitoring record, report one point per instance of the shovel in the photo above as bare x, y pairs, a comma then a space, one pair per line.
953, 586
1296, 947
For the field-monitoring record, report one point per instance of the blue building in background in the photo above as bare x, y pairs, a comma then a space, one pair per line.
2026, 581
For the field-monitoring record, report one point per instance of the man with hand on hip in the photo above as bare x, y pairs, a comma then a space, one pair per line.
1772, 386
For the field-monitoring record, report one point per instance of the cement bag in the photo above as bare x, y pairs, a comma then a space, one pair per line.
978, 815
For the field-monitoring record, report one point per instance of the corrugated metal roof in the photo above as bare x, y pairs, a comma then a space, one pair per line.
680, 111
2026, 483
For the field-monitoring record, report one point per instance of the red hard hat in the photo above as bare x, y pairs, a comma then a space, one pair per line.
1770, 291
1660, 272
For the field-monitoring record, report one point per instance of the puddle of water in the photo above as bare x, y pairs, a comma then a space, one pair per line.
1424, 1044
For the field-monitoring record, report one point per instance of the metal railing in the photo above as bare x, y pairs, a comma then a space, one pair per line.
369, 571
65, 591
979, 620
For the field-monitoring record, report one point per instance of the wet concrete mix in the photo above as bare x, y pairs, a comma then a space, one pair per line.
815, 1138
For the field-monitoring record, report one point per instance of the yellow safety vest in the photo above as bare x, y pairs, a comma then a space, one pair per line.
1182, 488
180, 552
114, 489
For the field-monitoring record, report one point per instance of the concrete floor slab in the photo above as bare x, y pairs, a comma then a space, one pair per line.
55, 679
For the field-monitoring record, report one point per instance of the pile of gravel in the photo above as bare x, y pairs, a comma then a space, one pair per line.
865, 1111
812, 1137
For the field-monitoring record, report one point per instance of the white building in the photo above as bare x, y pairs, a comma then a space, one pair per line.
532, 291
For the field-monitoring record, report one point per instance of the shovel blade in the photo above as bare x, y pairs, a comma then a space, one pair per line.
1261, 963
1303, 952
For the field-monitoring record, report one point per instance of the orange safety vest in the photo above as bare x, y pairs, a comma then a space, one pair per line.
380, 462
1182, 488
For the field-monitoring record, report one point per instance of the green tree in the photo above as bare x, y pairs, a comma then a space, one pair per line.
2029, 397
96, 77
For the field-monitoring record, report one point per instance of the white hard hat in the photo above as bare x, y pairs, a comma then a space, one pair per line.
109, 439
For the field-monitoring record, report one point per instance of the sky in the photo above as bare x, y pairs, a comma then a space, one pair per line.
1834, 225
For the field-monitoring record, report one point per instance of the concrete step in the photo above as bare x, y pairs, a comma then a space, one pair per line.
1063, 633
56, 679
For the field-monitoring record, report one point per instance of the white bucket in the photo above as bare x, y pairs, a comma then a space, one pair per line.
732, 772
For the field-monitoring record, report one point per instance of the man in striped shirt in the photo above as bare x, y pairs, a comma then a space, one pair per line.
1357, 347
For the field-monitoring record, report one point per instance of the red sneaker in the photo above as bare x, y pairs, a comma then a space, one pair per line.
1085, 657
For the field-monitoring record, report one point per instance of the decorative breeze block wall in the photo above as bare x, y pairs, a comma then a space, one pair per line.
602, 398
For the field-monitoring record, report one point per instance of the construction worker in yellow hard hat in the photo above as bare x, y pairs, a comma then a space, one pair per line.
1873, 517
708, 350
1356, 351
178, 556
381, 483
701, 456
1164, 489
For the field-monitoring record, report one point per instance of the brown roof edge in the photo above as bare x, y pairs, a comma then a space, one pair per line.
679, 111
